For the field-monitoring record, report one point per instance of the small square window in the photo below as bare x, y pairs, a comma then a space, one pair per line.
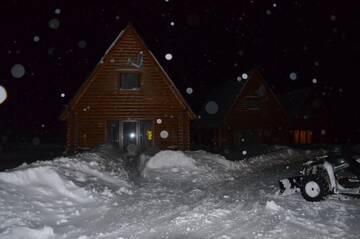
129, 81
252, 103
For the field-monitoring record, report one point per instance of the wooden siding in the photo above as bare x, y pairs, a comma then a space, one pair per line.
102, 100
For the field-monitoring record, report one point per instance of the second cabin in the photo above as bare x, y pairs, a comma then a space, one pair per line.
239, 112
128, 101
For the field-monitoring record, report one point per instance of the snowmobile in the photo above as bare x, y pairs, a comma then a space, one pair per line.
323, 176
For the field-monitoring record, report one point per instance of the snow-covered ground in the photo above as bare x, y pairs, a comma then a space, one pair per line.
173, 194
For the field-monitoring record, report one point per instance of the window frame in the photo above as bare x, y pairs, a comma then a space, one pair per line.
119, 81
252, 103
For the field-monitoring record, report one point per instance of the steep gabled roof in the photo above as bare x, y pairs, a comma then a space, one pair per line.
256, 74
91, 77
226, 95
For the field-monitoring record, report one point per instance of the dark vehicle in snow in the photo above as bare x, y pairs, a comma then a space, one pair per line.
323, 176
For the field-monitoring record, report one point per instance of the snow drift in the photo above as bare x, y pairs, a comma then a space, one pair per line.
173, 194
202, 167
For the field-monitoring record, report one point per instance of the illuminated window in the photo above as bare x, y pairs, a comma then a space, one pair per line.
303, 136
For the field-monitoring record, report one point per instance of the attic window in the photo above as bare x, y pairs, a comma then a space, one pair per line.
252, 103
129, 81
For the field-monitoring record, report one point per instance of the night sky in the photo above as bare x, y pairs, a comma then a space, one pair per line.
58, 43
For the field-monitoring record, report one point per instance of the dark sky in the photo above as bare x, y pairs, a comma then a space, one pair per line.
59, 42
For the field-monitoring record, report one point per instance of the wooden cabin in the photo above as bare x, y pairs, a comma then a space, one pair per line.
309, 119
128, 101
241, 111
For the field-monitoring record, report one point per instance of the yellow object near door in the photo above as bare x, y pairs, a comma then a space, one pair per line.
149, 135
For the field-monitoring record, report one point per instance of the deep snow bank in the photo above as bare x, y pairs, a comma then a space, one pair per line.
68, 174
200, 166
28, 233
37, 198
46, 181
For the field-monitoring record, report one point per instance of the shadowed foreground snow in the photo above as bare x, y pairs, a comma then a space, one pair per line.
171, 195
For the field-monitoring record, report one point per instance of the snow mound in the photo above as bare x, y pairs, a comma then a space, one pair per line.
100, 170
271, 205
170, 159
45, 180
28, 233
201, 167
178, 166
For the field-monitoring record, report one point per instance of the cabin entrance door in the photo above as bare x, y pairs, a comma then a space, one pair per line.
131, 136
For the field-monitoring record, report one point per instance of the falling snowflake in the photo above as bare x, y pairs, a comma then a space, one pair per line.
172, 23
36, 38
159, 121
244, 152
244, 76
332, 17
189, 90
314, 80
239, 78
54, 23
18, 71
323, 132
51, 51
62, 95
293, 76
35, 141
57, 11
3, 94
164, 134
168, 56
82, 44
268, 12
274, 4
211, 107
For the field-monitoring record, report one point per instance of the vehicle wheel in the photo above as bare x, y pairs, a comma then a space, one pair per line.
315, 187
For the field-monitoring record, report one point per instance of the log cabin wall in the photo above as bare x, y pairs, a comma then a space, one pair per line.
100, 99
